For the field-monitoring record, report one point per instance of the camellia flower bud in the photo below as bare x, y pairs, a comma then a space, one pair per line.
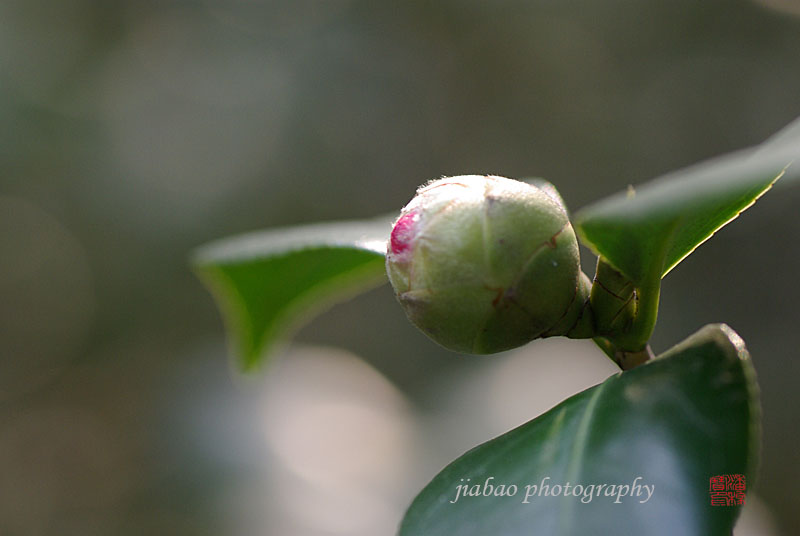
483, 264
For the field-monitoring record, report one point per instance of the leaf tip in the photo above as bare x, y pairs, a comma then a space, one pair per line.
724, 337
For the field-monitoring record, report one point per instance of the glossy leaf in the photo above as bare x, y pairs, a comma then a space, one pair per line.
268, 283
646, 232
675, 422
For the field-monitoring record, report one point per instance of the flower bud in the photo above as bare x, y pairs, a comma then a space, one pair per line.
483, 264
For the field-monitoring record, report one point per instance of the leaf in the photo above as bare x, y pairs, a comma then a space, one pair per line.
646, 234
675, 422
788, 134
269, 283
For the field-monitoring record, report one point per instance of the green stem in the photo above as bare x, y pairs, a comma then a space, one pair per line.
644, 321
625, 313
625, 360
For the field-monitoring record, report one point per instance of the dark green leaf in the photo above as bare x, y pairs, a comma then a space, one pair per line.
675, 422
646, 233
268, 283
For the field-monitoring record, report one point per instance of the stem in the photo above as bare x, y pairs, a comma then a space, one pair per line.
629, 360
625, 313
624, 359
644, 321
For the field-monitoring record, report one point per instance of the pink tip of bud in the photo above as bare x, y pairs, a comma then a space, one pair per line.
403, 232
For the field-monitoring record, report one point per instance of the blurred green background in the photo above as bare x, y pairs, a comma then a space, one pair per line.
133, 131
